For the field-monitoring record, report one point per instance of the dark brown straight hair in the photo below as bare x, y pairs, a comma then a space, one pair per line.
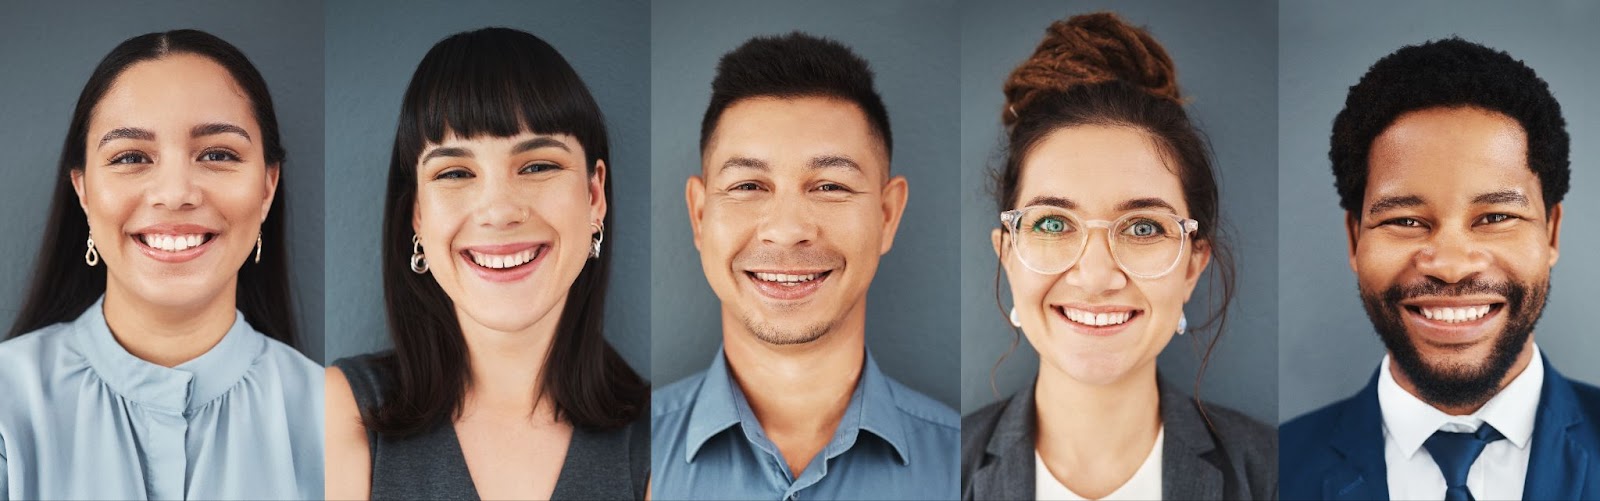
63, 287
493, 82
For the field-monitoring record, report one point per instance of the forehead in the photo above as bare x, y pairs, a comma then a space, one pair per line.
786, 133
1450, 154
1098, 167
178, 89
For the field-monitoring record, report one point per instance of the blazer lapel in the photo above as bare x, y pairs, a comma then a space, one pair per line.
1009, 457
1559, 460
1358, 438
1186, 470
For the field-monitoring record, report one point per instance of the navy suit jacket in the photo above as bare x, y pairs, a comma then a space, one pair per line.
1336, 452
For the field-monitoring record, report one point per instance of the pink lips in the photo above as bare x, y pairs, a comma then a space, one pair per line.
785, 292
504, 275
1096, 330
174, 229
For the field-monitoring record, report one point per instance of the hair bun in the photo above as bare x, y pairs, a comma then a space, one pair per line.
1086, 50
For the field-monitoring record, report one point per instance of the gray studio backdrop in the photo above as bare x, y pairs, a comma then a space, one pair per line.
1226, 62
911, 307
372, 49
48, 50
1329, 349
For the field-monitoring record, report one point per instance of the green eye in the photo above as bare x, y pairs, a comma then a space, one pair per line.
1050, 224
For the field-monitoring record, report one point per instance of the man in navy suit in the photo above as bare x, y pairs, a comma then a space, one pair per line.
1450, 160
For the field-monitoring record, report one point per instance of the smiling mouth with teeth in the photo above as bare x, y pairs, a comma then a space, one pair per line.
787, 280
1455, 314
503, 261
174, 243
1093, 319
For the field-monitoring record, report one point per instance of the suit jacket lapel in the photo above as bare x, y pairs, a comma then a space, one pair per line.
1358, 438
1008, 472
1186, 470
1561, 452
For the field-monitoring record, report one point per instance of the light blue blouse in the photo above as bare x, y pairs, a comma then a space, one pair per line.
81, 418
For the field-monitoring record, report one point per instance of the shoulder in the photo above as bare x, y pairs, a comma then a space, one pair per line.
676, 398
978, 427
1308, 430
25, 359
291, 365
922, 409
1242, 433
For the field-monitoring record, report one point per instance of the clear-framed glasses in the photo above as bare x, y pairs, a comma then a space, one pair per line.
1145, 243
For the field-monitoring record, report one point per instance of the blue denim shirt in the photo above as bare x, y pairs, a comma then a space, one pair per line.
893, 443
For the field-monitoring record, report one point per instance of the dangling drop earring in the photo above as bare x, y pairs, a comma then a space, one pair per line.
258, 247
599, 236
1015, 322
1183, 323
92, 256
419, 263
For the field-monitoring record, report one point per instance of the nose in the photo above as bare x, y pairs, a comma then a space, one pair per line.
1452, 256
174, 187
1096, 270
500, 206
787, 221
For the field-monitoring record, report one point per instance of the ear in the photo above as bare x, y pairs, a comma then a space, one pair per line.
273, 171
77, 185
597, 192
997, 237
416, 214
1553, 227
1352, 233
1199, 259
694, 195
894, 206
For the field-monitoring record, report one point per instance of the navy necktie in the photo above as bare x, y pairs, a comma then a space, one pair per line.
1455, 453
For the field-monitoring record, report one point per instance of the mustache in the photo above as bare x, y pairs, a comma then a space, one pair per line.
808, 257
1471, 286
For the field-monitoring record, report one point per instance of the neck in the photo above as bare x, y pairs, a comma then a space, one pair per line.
1079, 422
167, 335
505, 366
797, 388
1521, 364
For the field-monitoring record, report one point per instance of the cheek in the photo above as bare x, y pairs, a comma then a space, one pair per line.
1378, 262
239, 201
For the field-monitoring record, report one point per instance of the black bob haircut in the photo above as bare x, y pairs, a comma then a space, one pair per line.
1448, 73
793, 66
492, 82
63, 287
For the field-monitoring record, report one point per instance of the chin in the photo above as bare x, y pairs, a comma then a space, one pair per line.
1094, 368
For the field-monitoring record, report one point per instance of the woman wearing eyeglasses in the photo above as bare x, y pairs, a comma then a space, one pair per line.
1109, 216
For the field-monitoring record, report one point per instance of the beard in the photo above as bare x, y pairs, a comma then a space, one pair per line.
1457, 385
772, 334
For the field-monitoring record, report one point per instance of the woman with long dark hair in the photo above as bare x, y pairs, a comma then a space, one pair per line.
153, 356
1109, 217
500, 384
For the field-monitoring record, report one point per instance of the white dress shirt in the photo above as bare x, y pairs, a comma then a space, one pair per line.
1145, 484
1497, 474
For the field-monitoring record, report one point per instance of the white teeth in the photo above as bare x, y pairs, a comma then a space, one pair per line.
1455, 315
787, 279
1097, 319
497, 261
172, 243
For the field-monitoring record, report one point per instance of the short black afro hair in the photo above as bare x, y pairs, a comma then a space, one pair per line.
1448, 73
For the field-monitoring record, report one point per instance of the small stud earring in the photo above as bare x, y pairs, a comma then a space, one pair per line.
1015, 322
92, 256
419, 263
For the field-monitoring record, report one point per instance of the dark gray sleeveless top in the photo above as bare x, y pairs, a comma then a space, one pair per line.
599, 465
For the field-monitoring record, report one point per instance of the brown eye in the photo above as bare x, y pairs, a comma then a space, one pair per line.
132, 157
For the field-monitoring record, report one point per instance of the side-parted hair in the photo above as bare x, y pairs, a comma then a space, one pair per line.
1096, 69
794, 66
1448, 73
493, 82
63, 286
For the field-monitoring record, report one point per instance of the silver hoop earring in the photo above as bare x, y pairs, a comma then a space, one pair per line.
1183, 323
92, 256
419, 263
599, 236
258, 248
1015, 322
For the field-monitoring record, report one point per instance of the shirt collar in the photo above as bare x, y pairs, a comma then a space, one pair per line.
1511, 411
720, 404
176, 390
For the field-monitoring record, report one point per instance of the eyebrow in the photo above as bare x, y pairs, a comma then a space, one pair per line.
817, 162
446, 152
1146, 203
745, 163
126, 133
1053, 202
212, 129
1394, 202
1513, 197
539, 142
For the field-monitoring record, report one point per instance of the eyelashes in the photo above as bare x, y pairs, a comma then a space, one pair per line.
213, 155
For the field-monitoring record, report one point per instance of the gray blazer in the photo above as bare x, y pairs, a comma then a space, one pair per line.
1235, 458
